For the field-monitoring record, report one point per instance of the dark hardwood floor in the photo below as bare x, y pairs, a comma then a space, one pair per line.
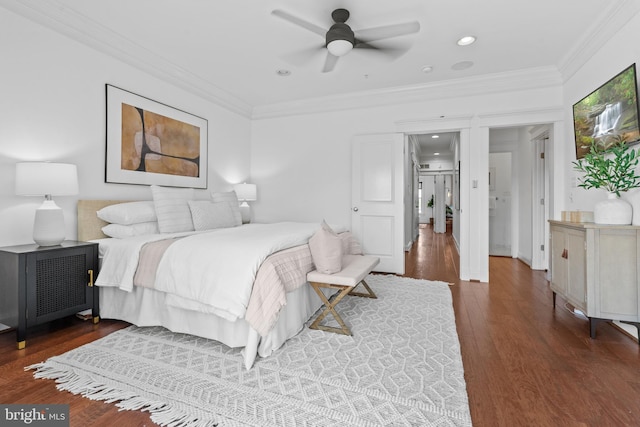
526, 363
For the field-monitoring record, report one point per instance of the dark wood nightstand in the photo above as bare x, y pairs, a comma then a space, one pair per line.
39, 284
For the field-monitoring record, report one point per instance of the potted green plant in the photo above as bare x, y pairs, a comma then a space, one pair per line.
430, 205
614, 170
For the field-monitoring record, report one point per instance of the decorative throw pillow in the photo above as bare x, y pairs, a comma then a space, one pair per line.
207, 215
172, 208
121, 231
232, 198
350, 245
128, 213
326, 250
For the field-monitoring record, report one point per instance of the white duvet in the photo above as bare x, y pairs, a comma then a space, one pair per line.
209, 271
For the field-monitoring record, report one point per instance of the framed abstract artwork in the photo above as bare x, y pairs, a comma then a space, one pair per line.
152, 143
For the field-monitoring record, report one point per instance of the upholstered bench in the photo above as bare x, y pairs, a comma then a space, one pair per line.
354, 269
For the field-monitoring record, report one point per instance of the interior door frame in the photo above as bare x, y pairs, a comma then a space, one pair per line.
540, 199
462, 125
474, 130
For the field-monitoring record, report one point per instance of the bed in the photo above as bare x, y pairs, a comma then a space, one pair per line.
261, 327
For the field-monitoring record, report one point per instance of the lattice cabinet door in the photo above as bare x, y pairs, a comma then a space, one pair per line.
41, 284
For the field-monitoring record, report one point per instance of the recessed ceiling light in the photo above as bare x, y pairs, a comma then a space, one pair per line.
466, 40
435, 136
283, 73
462, 65
436, 154
427, 69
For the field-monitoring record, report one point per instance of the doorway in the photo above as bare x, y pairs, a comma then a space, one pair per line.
438, 160
519, 193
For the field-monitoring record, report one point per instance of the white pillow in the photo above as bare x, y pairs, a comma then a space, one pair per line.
128, 213
350, 245
172, 208
121, 231
207, 215
326, 250
231, 197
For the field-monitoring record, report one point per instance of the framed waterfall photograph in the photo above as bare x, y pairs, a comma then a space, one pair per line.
608, 115
152, 143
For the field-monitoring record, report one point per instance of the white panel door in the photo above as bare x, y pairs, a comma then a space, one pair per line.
377, 215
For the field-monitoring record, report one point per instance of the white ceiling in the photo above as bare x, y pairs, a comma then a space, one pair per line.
230, 50
429, 146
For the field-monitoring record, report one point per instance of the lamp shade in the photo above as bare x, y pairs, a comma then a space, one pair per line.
44, 178
246, 192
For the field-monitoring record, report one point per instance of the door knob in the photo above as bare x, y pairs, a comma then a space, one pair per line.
355, 209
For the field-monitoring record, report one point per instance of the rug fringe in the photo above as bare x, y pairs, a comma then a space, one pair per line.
160, 412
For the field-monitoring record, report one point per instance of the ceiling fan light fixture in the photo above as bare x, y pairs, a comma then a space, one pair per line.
340, 39
339, 47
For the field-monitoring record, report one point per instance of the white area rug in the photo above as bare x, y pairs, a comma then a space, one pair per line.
401, 367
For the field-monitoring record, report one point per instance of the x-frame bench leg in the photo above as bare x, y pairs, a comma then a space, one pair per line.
330, 305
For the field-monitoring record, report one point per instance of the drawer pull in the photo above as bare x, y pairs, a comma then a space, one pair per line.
90, 277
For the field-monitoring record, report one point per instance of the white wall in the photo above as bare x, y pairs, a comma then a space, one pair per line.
427, 192
52, 105
617, 54
501, 213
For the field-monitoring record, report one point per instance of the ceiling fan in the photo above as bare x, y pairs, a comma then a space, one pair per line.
340, 39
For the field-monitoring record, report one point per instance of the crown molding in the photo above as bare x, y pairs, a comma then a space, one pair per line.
533, 78
618, 14
55, 16
520, 117
434, 124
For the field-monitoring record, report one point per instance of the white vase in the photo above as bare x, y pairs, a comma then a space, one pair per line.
613, 211
634, 198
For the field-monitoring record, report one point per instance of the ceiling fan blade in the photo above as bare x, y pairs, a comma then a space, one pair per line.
388, 31
299, 22
362, 45
392, 51
329, 62
303, 56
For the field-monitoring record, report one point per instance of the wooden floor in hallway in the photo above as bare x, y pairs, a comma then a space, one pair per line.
526, 363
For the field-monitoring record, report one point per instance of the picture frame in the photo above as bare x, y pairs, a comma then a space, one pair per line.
151, 143
608, 115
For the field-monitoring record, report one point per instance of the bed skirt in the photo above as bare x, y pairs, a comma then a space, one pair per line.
146, 307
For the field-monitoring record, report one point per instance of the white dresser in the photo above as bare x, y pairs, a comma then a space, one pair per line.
596, 268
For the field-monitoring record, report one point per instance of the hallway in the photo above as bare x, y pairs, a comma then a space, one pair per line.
525, 363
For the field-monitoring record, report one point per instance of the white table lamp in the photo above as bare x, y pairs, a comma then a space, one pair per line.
246, 193
47, 179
